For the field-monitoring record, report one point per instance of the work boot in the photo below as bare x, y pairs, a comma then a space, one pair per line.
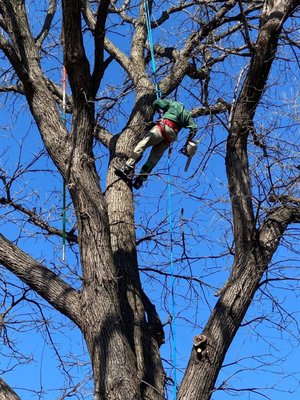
125, 172
139, 181
143, 175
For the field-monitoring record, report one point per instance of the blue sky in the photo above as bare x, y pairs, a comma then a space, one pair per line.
268, 355
192, 307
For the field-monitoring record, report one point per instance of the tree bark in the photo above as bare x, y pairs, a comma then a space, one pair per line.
41, 279
122, 330
6, 392
252, 254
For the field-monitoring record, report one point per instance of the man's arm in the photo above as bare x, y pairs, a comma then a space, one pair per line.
192, 134
191, 124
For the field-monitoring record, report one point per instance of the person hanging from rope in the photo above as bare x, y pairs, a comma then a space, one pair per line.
174, 118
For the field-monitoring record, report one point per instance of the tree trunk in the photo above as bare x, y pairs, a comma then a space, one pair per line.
144, 336
220, 330
6, 392
102, 324
252, 254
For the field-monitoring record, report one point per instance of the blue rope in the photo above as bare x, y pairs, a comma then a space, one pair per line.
173, 311
151, 46
158, 95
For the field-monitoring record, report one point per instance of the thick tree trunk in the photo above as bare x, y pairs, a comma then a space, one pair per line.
220, 330
102, 324
143, 336
251, 255
113, 362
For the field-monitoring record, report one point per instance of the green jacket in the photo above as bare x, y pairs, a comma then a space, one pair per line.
175, 111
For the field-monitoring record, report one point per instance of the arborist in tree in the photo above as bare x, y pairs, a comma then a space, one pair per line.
165, 131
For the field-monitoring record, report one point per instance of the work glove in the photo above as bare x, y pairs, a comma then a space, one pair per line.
191, 136
189, 148
186, 149
183, 150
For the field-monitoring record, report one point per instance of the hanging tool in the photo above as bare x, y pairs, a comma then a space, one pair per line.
189, 150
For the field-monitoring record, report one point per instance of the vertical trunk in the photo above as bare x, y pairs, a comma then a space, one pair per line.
138, 332
103, 327
202, 371
142, 338
251, 258
113, 362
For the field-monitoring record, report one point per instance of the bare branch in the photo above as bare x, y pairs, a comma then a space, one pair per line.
181, 64
99, 37
36, 220
284, 199
220, 107
47, 23
88, 15
103, 135
41, 279
76, 62
246, 27
113, 50
275, 225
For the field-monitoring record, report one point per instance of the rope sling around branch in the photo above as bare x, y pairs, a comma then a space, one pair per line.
158, 95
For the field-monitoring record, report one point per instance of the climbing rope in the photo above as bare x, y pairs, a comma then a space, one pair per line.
151, 46
64, 195
158, 95
172, 267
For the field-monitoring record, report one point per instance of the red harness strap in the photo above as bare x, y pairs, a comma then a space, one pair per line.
169, 123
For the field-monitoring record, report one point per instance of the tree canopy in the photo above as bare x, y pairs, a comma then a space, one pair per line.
148, 274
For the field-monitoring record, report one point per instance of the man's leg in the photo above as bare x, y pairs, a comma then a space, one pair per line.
154, 156
143, 175
126, 171
152, 138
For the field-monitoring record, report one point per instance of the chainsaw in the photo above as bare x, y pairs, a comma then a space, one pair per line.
189, 150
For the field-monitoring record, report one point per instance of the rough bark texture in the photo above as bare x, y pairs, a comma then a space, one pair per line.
6, 393
252, 252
